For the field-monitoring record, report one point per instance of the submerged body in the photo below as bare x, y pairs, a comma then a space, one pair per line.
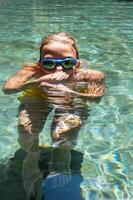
70, 107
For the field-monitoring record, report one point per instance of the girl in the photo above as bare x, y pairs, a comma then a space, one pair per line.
58, 80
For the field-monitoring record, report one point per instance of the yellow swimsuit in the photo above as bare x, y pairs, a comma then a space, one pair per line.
32, 93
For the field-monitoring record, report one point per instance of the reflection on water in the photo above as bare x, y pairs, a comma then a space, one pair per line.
42, 173
104, 33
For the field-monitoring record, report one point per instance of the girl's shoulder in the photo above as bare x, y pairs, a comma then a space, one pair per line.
33, 67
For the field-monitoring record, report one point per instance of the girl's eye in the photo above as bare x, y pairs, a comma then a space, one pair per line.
68, 63
48, 64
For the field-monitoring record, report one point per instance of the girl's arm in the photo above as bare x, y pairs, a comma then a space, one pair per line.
19, 81
93, 91
95, 82
96, 86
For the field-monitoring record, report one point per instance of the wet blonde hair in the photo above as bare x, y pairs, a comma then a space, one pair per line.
62, 37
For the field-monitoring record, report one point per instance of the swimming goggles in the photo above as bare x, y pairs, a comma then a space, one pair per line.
51, 63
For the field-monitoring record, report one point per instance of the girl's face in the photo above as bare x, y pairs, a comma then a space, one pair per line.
59, 50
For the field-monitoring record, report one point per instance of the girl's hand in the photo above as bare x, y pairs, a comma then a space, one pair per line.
55, 77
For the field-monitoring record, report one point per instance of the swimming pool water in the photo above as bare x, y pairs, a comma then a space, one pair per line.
104, 31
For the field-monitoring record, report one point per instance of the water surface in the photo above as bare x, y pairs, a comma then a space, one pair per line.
104, 32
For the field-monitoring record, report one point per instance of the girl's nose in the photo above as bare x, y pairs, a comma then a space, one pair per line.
59, 68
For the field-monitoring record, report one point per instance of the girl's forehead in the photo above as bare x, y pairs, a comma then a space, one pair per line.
58, 49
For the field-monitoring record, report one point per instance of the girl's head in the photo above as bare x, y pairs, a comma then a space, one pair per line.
58, 52
58, 45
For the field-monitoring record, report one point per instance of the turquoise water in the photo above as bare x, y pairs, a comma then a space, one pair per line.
104, 32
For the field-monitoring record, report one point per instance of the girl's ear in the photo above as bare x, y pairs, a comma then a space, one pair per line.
78, 65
